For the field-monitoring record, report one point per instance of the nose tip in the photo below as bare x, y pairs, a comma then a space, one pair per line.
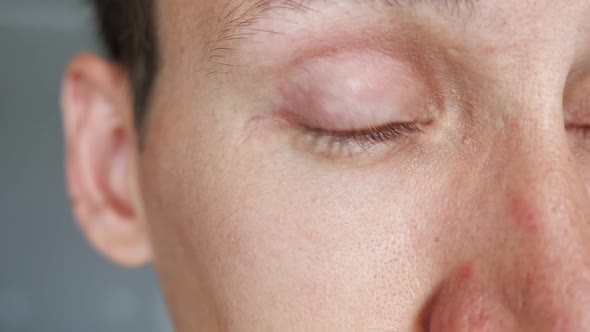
465, 303
470, 301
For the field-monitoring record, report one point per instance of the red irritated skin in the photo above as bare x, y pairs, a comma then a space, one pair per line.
439, 179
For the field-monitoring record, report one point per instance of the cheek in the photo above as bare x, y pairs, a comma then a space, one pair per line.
322, 253
335, 246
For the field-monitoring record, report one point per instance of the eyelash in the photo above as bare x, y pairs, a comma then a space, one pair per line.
336, 143
583, 131
349, 143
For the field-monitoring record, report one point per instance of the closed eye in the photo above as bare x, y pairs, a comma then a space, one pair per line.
349, 143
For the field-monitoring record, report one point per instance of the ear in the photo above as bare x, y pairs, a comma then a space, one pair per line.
102, 159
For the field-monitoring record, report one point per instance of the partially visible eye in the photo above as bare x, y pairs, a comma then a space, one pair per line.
577, 118
348, 103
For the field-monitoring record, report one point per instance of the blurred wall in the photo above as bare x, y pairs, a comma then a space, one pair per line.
50, 280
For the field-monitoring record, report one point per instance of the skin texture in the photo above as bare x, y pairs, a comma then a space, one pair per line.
258, 216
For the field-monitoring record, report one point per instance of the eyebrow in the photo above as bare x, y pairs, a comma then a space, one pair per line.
249, 7
236, 18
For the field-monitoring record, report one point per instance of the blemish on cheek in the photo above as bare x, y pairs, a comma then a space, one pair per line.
466, 273
313, 199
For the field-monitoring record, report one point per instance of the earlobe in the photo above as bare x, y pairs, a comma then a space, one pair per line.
101, 159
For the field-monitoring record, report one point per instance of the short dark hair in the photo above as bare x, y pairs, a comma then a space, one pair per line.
127, 29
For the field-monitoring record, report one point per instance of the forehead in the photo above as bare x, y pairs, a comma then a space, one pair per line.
212, 12
216, 32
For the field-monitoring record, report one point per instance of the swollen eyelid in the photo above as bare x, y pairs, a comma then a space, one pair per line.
353, 91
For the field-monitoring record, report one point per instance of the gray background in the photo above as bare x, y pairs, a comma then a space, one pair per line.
50, 280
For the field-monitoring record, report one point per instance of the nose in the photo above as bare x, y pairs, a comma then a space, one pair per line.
530, 270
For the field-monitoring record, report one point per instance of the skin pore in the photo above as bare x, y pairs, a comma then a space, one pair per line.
348, 165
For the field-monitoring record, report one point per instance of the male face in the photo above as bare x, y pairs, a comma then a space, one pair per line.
349, 165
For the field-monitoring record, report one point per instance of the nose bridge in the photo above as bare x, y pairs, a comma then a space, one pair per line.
545, 212
543, 191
